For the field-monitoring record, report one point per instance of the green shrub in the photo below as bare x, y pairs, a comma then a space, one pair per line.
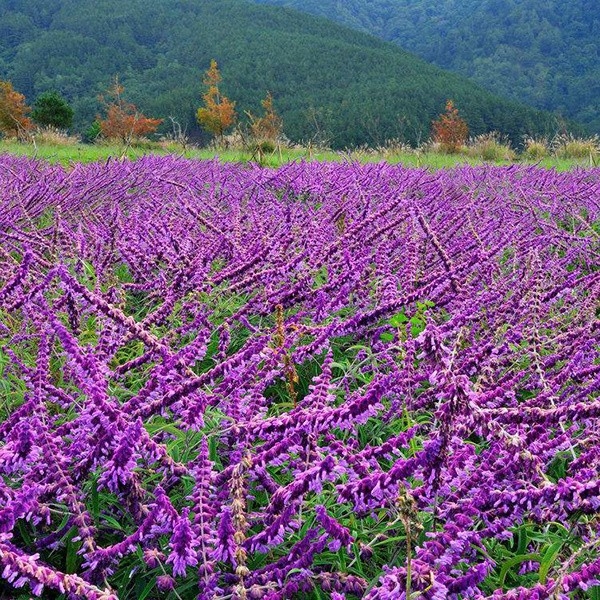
266, 146
93, 132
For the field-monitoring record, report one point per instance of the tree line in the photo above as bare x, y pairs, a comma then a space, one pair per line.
122, 121
330, 84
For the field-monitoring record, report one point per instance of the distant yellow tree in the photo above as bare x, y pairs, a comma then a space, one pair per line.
13, 112
269, 126
218, 112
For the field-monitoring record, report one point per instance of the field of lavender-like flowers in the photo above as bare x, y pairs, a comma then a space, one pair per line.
324, 381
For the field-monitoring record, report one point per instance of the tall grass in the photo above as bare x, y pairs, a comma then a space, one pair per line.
490, 147
569, 147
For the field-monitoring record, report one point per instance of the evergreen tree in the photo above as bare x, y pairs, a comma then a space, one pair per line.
51, 110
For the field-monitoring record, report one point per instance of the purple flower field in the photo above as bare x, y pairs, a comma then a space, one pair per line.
321, 381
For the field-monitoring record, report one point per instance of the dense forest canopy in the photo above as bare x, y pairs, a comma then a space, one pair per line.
545, 53
326, 80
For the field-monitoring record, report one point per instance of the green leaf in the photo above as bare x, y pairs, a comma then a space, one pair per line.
398, 320
522, 539
549, 558
417, 326
95, 500
167, 427
146, 591
386, 337
72, 559
24, 532
112, 522
340, 366
515, 560
293, 571
390, 540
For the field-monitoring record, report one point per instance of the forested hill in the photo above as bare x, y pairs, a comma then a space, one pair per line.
542, 52
326, 79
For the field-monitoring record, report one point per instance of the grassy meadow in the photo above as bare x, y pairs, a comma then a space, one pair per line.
66, 154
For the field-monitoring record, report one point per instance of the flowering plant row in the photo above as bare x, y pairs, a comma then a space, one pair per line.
321, 381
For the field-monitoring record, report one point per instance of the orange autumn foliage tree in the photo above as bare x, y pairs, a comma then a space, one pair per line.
269, 126
218, 112
123, 121
450, 130
13, 112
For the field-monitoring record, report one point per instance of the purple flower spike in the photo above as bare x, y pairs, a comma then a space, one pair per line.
259, 382
183, 545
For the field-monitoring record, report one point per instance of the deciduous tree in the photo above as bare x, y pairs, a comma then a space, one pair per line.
218, 112
123, 120
13, 112
450, 130
270, 125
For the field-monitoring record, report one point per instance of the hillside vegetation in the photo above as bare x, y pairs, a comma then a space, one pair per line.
328, 81
542, 52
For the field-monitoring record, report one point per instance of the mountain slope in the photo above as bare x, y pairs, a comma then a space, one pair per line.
542, 52
324, 78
